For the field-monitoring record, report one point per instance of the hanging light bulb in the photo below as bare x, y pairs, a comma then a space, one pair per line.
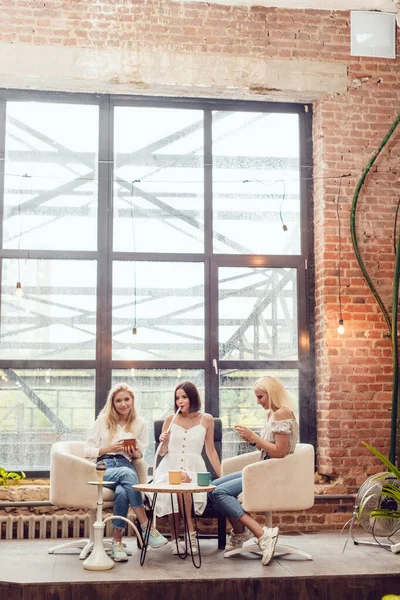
18, 290
340, 328
134, 335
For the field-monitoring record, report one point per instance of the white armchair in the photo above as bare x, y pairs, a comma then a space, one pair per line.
276, 484
69, 473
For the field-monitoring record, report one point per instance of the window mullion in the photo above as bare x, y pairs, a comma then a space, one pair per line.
104, 264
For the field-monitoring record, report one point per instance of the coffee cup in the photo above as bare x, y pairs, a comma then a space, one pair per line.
129, 443
175, 477
204, 478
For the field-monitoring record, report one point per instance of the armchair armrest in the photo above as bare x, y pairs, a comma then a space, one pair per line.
280, 484
141, 469
69, 475
237, 463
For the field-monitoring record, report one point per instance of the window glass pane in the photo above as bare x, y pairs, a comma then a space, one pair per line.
256, 183
158, 192
168, 302
238, 404
154, 394
56, 317
257, 314
39, 407
51, 176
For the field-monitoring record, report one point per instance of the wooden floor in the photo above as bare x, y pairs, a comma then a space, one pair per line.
28, 572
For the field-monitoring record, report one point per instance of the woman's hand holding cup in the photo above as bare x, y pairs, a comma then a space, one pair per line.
130, 445
186, 477
117, 448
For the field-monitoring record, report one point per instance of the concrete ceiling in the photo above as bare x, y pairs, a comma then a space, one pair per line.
380, 5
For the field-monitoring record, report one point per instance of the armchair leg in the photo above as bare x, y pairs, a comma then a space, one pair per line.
86, 551
280, 550
83, 545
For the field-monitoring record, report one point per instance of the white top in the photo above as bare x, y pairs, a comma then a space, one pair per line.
184, 453
97, 437
288, 427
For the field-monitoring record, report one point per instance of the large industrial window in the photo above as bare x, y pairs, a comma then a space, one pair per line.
189, 221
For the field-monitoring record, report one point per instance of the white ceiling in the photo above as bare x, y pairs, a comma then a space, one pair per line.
381, 5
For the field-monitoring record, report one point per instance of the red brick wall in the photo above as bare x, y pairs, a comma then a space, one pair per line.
353, 370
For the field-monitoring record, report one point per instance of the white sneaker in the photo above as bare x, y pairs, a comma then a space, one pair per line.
267, 543
118, 553
236, 540
193, 542
156, 540
177, 547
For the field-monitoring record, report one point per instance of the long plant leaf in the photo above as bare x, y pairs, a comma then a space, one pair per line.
385, 513
391, 491
385, 460
363, 504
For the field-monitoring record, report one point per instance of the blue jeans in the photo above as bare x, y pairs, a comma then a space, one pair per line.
121, 472
224, 497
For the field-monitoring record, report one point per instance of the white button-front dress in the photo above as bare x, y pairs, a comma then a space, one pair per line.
184, 453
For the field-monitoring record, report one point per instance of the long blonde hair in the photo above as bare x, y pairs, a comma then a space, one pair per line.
277, 393
112, 417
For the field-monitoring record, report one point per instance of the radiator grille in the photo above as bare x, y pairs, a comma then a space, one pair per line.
30, 527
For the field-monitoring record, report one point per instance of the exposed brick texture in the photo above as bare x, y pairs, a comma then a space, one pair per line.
354, 370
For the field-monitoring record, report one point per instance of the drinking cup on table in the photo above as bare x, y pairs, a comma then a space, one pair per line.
130, 445
204, 478
175, 477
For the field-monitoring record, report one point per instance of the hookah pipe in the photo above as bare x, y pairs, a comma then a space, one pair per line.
156, 456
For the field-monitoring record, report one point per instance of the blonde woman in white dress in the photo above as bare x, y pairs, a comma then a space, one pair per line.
181, 450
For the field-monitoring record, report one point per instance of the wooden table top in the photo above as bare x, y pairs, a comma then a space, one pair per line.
167, 488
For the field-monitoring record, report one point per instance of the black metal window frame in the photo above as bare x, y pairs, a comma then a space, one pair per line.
303, 263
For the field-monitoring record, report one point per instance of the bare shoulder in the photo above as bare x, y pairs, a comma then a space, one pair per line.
283, 413
208, 419
168, 419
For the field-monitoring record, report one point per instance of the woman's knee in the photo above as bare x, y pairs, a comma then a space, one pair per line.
128, 474
120, 493
229, 489
219, 493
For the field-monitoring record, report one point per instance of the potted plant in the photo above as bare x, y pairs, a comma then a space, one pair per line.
10, 477
389, 490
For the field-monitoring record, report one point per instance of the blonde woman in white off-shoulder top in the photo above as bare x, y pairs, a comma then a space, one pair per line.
277, 439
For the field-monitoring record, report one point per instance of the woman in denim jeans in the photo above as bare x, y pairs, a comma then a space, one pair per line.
277, 439
105, 442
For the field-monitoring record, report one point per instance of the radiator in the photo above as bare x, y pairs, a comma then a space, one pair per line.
30, 527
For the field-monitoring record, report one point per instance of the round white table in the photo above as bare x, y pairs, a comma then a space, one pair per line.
168, 488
